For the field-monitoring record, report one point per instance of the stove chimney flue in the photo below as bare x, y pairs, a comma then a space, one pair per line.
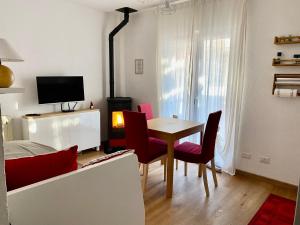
126, 11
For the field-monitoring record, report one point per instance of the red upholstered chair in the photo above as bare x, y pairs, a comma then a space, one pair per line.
147, 149
203, 153
146, 108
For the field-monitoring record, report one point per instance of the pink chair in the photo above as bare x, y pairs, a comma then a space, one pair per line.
147, 149
203, 153
147, 109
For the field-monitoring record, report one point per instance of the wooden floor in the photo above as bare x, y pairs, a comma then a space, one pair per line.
234, 202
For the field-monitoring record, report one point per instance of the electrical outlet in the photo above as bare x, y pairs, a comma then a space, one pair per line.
265, 160
246, 155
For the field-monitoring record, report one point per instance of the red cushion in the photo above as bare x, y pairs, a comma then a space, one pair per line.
25, 171
163, 142
157, 148
188, 152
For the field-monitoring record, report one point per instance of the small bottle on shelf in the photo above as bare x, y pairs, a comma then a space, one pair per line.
92, 105
278, 58
279, 55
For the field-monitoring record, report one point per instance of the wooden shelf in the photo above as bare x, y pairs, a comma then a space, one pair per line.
297, 85
54, 114
288, 82
11, 90
286, 62
287, 40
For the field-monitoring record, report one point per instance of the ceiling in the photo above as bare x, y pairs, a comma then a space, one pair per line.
111, 5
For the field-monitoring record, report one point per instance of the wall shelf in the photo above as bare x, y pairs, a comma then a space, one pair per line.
286, 81
11, 90
286, 62
287, 40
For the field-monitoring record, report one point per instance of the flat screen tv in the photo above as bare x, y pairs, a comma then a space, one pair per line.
60, 89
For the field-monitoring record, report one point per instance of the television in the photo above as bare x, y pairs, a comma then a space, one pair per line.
60, 89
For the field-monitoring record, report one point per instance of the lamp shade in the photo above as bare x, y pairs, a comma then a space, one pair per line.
7, 53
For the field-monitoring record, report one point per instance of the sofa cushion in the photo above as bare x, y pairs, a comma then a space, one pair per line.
28, 170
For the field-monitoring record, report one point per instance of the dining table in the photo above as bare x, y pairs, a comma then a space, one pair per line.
170, 130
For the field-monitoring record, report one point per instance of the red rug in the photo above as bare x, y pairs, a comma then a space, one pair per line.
275, 211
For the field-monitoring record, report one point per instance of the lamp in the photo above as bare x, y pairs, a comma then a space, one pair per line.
7, 54
167, 8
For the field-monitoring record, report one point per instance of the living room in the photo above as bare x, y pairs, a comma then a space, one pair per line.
158, 59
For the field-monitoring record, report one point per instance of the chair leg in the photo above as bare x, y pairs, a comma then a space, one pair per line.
214, 173
205, 179
199, 171
176, 164
185, 168
141, 172
145, 178
165, 169
143, 169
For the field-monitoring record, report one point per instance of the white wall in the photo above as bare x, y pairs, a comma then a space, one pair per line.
54, 38
140, 42
270, 125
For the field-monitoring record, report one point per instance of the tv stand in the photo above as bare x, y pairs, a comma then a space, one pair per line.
62, 130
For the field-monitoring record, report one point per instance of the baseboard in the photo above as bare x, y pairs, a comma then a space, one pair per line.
266, 179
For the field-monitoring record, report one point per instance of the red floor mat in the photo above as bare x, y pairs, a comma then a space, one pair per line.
275, 211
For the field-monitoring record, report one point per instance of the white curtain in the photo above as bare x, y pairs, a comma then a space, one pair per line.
200, 67
175, 36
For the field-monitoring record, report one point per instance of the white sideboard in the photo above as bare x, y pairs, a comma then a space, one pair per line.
62, 130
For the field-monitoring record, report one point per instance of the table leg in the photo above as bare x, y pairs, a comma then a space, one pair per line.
170, 169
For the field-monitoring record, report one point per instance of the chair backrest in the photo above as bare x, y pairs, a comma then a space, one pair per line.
136, 133
146, 108
210, 135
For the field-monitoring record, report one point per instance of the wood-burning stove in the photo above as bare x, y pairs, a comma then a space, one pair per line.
116, 105
116, 124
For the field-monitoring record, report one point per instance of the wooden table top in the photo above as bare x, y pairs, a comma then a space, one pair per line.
171, 125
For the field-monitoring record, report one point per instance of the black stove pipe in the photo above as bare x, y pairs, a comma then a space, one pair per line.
126, 12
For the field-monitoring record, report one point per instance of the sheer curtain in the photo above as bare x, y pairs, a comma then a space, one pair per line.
212, 78
175, 37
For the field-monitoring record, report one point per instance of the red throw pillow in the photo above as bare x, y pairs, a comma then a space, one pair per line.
25, 171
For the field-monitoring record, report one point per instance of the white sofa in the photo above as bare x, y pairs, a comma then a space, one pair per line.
108, 193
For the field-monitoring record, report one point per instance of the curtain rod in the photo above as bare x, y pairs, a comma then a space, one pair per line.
152, 7
155, 6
